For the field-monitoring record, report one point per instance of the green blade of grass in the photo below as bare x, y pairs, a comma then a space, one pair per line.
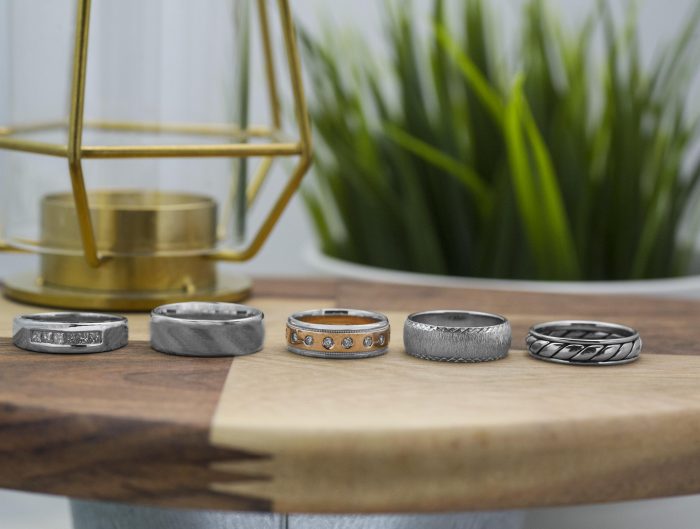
439, 159
489, 97
525, 192
560, 234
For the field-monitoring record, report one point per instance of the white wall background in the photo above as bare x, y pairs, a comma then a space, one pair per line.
283, 255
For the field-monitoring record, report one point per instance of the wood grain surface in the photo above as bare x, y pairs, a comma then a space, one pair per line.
276, 431
131, 425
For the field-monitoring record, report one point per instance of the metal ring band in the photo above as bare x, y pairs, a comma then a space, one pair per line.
70, 332
338, 333
207, 329
584, 342
457, 336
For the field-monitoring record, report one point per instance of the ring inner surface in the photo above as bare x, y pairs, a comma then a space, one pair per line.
338, 319
205, 315
72, 318
457, 319
583, 331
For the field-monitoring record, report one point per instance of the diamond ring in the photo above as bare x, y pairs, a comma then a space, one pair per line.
338, 333
70, 332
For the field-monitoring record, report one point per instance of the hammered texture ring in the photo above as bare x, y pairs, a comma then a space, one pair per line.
70, 332
207, 329
338, 333
457, 336
584, 342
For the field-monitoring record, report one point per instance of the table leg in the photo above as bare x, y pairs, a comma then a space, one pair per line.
100, 515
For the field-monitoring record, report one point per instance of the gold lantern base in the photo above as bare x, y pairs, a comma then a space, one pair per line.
156, 247
28, 288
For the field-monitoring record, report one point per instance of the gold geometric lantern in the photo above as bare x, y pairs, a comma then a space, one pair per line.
135, 246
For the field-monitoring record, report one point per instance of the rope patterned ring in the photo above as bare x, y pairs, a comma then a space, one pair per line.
584, 343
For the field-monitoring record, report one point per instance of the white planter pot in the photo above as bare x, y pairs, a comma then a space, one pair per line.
682, 287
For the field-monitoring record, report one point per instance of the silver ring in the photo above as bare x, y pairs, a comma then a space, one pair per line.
338, 333
70, 332
457, 336
207, 329
584, 342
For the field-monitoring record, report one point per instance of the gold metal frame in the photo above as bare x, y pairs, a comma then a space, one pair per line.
276, 146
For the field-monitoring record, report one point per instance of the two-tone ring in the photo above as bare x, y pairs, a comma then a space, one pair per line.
70, 332
457, 336
584, 342
338, 333
207, 329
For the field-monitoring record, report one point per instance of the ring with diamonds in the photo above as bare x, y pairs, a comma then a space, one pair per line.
207, 329
70, 332
457, 336
338, 333
584, 343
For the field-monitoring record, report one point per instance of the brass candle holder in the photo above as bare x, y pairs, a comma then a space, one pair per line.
129, 249
156, 249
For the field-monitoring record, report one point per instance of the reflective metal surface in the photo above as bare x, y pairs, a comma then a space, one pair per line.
457, 336
207, 329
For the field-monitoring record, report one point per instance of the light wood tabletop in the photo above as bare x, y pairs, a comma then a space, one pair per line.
279, 432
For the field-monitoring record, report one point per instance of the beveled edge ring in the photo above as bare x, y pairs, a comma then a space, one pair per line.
202, 333
70, 332
543, 345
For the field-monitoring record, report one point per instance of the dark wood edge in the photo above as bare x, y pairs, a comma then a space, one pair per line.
116, 459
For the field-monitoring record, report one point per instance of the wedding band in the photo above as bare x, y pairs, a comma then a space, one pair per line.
338, 333
207, 329
457, 336
584, 342
70, 332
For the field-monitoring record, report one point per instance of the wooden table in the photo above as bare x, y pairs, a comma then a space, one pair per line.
279, 432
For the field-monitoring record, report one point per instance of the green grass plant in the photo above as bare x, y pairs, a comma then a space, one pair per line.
565, 157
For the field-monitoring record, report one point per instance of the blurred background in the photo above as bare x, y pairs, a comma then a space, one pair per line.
508, 139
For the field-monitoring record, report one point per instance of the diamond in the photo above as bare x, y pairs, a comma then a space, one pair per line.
82, 338
328, 342
367, 342
309, 340
295, 336
66, 338
381, 340
347, 342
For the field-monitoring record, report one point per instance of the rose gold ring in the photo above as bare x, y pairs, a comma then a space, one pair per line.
338, 333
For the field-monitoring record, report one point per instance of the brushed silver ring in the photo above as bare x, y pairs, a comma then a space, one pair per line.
207, 329
457, 336
584, 342
70, 332
338, 333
